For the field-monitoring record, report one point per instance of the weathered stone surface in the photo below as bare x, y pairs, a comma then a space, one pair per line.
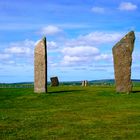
40, 67
54, 81
122, 55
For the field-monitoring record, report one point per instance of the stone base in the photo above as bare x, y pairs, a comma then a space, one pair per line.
40, 90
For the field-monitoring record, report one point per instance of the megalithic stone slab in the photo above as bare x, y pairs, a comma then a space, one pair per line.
122, 55
40, 67
84, 83
54, 81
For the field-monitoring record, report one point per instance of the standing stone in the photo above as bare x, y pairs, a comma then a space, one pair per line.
122, 55
84, 83
54, 81
40, 67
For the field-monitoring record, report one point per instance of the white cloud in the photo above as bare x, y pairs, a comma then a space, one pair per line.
82, 56
73, 25
24, 47
137, 34
105, 57
25, 43
52, 45
18, 50
78, 55
85, 60
128, 6
95, 38
101, 37
4, 56
98, 10
80, 51
73, 60
22, 51
50, 30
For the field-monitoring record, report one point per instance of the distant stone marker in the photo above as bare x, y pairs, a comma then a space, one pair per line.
40, 67
84, 83
122, 55
54, 81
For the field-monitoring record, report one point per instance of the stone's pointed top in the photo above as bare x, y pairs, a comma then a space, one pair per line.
41, 46
129, 38
130, 34
44, 38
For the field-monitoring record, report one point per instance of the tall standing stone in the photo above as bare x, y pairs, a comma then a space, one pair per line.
122, 55
40, 67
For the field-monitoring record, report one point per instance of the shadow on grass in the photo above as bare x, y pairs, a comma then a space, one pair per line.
136, 91
64, 91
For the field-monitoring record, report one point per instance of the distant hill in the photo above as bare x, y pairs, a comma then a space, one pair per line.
102, 81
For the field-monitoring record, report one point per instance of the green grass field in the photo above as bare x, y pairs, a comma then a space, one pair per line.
69, 113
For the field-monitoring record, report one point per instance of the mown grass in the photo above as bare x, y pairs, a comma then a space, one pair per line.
70, 113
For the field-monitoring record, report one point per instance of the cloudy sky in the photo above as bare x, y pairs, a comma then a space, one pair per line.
80, 36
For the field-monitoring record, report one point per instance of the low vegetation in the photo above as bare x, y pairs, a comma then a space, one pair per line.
69, 113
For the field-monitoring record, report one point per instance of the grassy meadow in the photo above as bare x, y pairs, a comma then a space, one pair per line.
69, 113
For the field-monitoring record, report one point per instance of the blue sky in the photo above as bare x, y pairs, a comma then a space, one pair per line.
80, 36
